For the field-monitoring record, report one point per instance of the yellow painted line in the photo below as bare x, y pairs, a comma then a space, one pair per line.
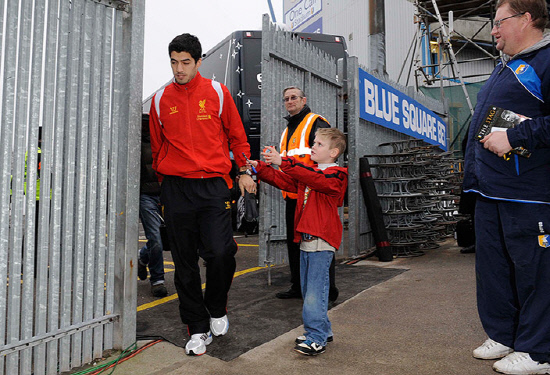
247, 271
175, 296
157, 302
241, 244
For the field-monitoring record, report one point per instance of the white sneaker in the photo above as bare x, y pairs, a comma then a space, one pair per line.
520, 363
491, 349
219, 326
197, 344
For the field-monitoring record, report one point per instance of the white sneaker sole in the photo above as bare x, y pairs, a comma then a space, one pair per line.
491, 349
219, 326
520, 363
197, 344
497, 355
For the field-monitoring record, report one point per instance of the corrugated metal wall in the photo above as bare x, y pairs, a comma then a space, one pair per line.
472, 69
70, 122
400, 34
350, 19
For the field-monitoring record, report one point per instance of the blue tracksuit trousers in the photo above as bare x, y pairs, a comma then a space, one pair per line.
513, 274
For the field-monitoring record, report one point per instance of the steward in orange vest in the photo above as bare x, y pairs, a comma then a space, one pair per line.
298, 137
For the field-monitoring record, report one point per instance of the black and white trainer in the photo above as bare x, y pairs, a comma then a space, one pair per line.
301, 339
309, 348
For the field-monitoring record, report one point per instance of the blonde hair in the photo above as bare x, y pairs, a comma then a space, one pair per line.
336, 138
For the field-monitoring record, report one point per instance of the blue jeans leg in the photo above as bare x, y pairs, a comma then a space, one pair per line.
314, 277
151, 254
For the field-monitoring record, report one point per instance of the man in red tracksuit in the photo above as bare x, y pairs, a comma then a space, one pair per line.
194, 124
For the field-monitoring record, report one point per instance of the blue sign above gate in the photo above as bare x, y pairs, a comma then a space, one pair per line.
384, 105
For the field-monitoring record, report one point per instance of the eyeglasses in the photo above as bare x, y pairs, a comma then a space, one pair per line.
289, 98
499, 22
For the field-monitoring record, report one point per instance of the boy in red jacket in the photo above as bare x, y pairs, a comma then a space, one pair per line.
318, 227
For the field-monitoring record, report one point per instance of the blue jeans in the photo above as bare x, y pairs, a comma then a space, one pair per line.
151, 253
315, 282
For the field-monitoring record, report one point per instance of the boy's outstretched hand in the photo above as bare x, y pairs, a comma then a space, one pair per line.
271, 156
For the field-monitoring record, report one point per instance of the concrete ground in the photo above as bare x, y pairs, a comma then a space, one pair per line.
423, 321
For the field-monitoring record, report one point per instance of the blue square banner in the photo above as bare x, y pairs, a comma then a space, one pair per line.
384, 105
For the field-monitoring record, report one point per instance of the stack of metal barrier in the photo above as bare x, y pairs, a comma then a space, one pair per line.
418, 187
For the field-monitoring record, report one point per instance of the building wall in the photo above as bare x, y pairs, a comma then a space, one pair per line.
400, 34
350, 19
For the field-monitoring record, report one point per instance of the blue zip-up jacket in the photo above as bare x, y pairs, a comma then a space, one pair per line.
520, 84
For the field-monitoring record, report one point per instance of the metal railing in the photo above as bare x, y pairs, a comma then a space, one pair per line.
69, 160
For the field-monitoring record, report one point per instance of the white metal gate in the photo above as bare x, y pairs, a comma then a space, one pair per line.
70, 121
289, 61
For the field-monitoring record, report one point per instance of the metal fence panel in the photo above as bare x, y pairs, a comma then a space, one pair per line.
69, 151
287, 61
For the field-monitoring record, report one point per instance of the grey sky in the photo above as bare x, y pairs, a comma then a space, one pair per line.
209, 20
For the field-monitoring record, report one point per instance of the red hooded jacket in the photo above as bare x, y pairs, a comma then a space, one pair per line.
189, 136
319, 217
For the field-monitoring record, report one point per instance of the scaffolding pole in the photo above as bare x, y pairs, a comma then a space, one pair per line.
449, 48
452, 63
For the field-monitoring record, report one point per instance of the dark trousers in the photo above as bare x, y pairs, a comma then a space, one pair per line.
513, 274
198, 219
151, 254
294, 252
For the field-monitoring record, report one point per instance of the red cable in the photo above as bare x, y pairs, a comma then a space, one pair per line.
127, 357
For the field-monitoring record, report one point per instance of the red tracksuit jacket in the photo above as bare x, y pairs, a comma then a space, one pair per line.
189, 137
319, 217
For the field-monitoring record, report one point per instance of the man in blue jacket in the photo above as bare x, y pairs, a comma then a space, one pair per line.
513, 206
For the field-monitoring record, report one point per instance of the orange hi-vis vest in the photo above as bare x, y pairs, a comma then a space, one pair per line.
298, 146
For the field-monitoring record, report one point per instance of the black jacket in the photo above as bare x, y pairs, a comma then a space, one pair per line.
148, 182
294, 121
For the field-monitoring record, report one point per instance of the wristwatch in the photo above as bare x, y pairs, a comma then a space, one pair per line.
244, 172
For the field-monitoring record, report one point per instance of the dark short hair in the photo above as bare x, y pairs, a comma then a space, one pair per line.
294, 88
536, 8
186, 43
